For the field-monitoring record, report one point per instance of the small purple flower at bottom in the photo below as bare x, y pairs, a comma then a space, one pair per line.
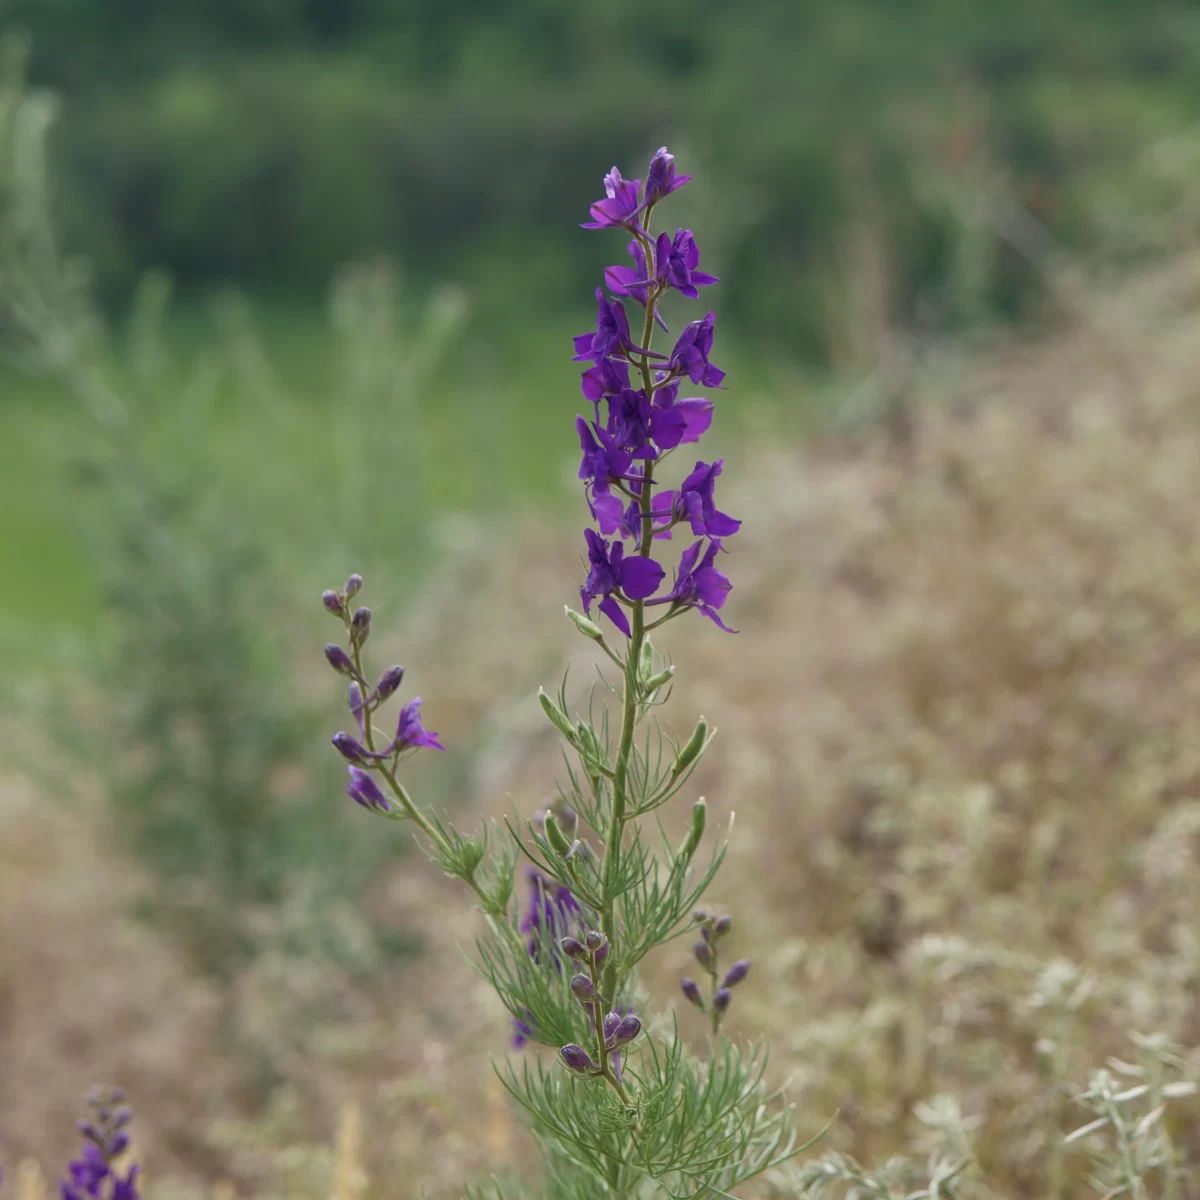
365, 791
635, 575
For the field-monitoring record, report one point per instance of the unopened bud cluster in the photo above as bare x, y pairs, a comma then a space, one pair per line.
707, 952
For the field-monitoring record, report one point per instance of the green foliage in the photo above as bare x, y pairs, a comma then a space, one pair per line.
271, 142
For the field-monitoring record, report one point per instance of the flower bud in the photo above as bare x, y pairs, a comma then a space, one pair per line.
583, 988
692, 750
723, 926
558, 718
577, 1059
601, 954
362, 789
558, 840
736, 973
721, 999
573, 948
625, 1032
611, 1021
119, 1145
360, 625
646, 660
358, 705
389, 681
350, 749
353, 586
702, 952
691, 991
338, 659
333, 602
699, 916
594, 939
589, 629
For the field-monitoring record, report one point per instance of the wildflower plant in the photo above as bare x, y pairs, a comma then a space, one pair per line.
621, 1108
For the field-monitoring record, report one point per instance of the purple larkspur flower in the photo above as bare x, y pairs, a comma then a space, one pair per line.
602, 461
694, 503
661, 179
611, 338
690, 356
362, 789
634, 281
606, 378
698, 584
676, 422
553, 912
105, 1141
636, 576
522, 1033
629, 419
620, 205
410, 734
676, 263
351, 749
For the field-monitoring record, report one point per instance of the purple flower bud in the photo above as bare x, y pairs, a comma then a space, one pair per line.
572, 948
583, 988
691, 991
360, 625
120, 1144
736, 973
357, 704
610, 1026
362, 789
595, 939
353, 586
350, 749
699, 916
703, 953
389, 681
625, 1032
721, 999
339, 660
723, 925
123, 1115
577, 1058
661, 179
601, 955
333, 602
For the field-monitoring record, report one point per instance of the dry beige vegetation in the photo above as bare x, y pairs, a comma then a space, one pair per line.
961, 732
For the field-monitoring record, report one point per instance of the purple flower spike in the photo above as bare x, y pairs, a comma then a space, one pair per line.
690, 356
362, 789
736, 973
661, 179
636, 576
409, 731
577, 1059
620, 204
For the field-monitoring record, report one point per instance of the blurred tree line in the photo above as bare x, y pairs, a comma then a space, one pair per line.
858, 157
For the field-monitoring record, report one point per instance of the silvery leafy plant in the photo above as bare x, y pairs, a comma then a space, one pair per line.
621, 1107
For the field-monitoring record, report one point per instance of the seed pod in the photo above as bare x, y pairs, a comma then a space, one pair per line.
338, 659
692, 750
577, 1059
333, 602
736, 973
691, 991
646, 661
558, 840
588, 628
699, 819
656, 681
558, 718
583, 988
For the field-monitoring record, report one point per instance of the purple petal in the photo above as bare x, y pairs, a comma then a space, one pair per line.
616, 614
640, 577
